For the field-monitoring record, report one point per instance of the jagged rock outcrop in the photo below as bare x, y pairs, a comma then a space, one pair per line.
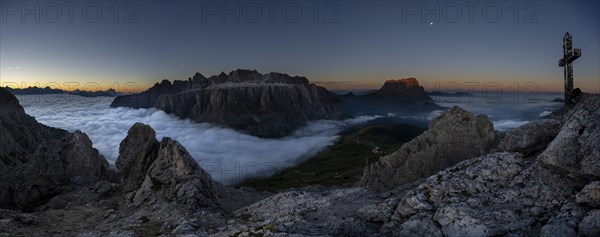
265, 105
56, 165
137, 152
575, 149
530, 138
454, 136
39, 162
20, 134
165, 171
404, 90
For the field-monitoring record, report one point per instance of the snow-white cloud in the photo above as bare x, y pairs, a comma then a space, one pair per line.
228, 155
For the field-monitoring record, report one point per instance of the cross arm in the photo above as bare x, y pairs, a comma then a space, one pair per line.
569, 57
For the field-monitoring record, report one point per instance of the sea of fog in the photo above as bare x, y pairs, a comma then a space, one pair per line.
230, 156
506, 110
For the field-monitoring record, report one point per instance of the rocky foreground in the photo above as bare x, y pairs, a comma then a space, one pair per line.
456, 179
264, 105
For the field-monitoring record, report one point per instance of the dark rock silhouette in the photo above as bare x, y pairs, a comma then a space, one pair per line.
58, 164
265, 105
162, 172
405, 90
49, 91
575, 149
39, 162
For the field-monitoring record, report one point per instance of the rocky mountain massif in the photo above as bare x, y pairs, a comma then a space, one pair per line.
554, 190
265, 105
454, 136
405, 90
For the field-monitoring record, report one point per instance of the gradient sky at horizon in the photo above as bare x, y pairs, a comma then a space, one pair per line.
368, 42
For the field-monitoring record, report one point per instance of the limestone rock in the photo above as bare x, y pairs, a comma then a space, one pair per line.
551, 230
531, 137
58, 163
575, 149
174, 175
496, 194
265, 105
457, 222
165, 171
20, 134
590, 194
420, 227
590, 226
454, 136
136, 153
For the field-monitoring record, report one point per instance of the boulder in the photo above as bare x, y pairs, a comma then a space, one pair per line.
590, 226
590, 194
56, 165
137, 152
575, 149
454, 136
457, 222
551, 230
175, 176
531, 137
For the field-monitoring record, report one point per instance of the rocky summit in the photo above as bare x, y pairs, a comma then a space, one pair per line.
454, 136
403, 90
39, 162
155, 171
264, 105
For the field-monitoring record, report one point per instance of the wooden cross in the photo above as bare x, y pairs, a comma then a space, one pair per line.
570, 55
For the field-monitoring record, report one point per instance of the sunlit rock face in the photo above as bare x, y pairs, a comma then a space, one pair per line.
264, 105
405, 90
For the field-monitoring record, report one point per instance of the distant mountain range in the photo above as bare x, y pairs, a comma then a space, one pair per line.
47, 91
272, 104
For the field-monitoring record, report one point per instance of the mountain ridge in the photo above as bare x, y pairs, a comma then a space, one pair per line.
263, 105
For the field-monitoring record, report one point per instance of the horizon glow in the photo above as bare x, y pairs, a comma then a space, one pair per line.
356, 45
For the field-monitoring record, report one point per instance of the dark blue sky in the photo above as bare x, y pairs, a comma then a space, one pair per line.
360, 43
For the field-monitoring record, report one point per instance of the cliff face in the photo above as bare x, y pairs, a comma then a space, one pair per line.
154, 172
452, 137
38, 162
265, 105
407, 90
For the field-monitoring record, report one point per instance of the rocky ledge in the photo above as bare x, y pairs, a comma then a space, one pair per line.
264, 105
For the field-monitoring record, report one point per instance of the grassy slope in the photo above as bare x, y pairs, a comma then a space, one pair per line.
343, 163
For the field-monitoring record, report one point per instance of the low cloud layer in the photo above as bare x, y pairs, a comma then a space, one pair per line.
229, 156
506, 110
